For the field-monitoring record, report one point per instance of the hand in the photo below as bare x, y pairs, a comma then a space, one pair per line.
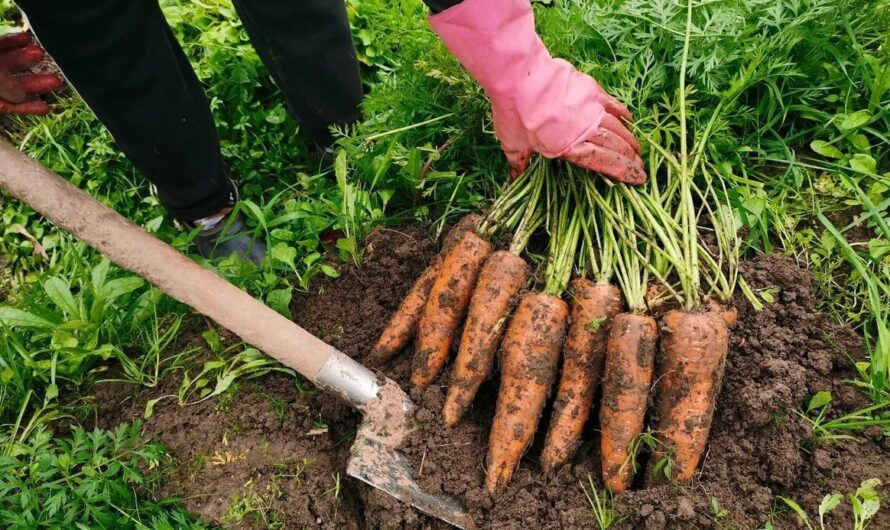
539, 104
17, 54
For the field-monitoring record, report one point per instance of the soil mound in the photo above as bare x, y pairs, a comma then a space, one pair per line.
278, 454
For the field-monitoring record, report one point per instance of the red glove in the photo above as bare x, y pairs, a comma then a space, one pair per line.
17, 54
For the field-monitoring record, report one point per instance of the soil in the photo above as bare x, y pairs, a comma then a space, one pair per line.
279, 453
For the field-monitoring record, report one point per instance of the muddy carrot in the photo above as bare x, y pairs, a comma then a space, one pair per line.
446, 306
630, 362
403, 323
693, 353
727, 312
593, 307
531, 350
503, 276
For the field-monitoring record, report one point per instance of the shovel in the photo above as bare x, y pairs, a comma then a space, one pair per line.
386, 409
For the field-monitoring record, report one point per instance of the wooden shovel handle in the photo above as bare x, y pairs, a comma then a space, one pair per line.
134, 249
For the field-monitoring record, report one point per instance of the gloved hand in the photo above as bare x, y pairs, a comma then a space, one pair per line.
17, 54
539, 104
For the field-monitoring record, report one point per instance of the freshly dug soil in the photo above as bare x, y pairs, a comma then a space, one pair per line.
283, 453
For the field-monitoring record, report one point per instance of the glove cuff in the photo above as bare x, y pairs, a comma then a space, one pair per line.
495, 40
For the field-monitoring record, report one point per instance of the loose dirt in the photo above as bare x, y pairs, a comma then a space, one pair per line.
270, 455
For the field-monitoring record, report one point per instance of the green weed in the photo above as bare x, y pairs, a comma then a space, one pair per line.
602, 503
92, 479
865, 502
834, 429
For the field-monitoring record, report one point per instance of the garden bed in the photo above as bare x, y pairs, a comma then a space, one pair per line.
269, 454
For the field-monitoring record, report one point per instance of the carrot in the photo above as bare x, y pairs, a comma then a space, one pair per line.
502, 277
446, 306
630, 361
467, 223
531, 350
728, 313
593, 307
693, 352
403, 323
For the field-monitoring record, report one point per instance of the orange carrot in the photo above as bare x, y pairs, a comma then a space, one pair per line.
593, 307
502, 277
467, 223
446, 306
531, 350
403, 323
630, 362
693, 353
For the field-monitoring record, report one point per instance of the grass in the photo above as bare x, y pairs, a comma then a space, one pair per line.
865, 503
792, 99
602, 502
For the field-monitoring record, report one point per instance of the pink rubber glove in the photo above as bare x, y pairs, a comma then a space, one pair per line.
539, 104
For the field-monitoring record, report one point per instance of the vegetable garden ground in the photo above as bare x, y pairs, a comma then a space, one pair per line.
121, 408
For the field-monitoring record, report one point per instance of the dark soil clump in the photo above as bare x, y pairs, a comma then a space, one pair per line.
288, 449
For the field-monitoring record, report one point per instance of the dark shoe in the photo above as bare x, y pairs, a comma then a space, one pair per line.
231, 236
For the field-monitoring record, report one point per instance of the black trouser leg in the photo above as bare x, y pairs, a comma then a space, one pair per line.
307, 46
123, 60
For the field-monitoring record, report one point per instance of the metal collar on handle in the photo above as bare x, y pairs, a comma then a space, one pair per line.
349, 379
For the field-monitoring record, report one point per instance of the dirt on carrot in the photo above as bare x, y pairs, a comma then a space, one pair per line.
446, 305
690, 367
627, 377
593, 307
502, 278
403, 323
531, 349
777, 357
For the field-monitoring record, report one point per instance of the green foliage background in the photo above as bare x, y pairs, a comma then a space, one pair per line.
803, 93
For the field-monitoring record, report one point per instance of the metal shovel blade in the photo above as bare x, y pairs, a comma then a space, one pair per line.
376, 460
376, 464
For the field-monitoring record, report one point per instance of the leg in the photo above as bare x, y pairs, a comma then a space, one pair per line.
123, 60
307, 46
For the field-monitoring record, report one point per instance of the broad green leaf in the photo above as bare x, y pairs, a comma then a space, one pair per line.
868, 488
329, 271
280, 299
819, 400
62, 339
860, 142
13, 317
213, 340
283, 253
829, 503
864, 164
869, 508
150, 407
848, 122
277, 115
213, 365
223, 384
60, 294
121, 286
826, 149
99, 274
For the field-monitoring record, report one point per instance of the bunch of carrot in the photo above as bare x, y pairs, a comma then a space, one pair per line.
648, 316
607, 335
